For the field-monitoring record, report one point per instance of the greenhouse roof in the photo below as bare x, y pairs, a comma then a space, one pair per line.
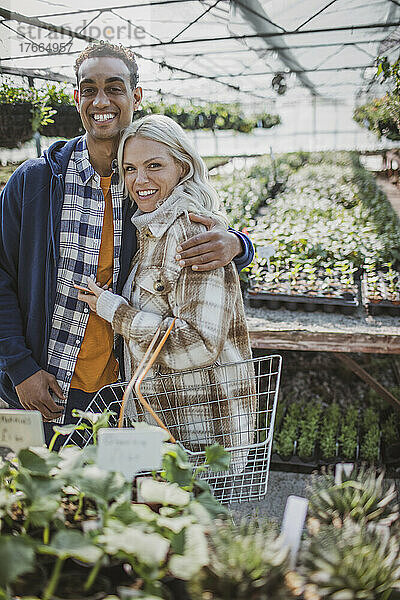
246, 51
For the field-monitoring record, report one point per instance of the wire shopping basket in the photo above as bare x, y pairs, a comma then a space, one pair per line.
231, 404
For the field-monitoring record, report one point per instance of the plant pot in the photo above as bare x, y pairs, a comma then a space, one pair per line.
30, 584
70, 587
15, 124
392, 452
177, 588
67, 123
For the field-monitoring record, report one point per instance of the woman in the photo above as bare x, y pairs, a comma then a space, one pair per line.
165, 176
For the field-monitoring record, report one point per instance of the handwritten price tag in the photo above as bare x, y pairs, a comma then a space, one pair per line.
130, 451
20, 429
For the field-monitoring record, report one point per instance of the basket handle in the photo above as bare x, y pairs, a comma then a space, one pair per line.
140, 373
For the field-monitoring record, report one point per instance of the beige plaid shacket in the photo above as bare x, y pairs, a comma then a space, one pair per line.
200, 407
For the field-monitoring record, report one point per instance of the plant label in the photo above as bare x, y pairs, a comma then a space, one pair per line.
129, 450
341, 468
293, 524
20, 429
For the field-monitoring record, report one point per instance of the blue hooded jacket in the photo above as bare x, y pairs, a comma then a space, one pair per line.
31, 205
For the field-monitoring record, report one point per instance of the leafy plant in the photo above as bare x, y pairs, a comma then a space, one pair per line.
309, 429
390, 433
361, 496
370, 442
247, 561
28, 109
329, 431
351, 562
288, 434
348, 433
63, 506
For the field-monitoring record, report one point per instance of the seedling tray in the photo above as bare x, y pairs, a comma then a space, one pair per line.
379, 306
258, 299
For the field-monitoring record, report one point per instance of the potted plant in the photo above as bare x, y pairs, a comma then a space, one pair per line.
247, 561
348, 438
309, 424
59, 507
329, 431
65, 122
287, 436
362, 496
22, 111
351, 562
370, 439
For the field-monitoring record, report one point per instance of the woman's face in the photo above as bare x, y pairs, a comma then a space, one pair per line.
150, 172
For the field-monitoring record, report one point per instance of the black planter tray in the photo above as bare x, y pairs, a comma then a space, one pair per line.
378, 307
257, 298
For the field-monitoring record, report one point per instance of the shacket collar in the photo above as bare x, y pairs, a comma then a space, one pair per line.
160, 219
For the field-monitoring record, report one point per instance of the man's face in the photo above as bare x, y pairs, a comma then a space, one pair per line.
105, 100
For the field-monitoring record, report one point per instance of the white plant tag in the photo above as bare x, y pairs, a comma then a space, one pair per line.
129, 451
341, 468
293, 524
265, 251
20, 429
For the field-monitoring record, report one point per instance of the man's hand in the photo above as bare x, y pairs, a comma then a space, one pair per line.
33, 393
209, 250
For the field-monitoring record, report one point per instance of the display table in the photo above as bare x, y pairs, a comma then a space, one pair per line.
323, 332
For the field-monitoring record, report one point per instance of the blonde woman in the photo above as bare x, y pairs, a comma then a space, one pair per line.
166, 178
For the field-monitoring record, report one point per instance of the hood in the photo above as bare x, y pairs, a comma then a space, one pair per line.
58, 154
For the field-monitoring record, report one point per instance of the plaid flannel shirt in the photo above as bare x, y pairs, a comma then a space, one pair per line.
210, 328
80, 238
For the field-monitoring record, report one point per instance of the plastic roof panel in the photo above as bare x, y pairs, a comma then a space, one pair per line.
188, 48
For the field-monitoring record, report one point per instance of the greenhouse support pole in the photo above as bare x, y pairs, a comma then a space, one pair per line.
314, 121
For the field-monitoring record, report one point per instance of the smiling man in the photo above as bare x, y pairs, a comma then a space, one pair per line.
63, 218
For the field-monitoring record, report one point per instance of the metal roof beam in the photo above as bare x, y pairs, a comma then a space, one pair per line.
37, 74
9, 15
253, 12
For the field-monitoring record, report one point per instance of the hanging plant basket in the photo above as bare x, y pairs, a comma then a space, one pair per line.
15, 124
67, 122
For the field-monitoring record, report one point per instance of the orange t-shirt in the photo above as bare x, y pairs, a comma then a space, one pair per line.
96, 365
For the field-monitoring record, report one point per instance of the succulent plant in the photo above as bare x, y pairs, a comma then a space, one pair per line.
363, 496
247, 561
351, 562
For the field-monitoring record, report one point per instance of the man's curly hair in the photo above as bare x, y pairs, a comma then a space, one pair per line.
103, 48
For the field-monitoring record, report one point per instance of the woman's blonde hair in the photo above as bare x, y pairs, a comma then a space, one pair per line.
195, 182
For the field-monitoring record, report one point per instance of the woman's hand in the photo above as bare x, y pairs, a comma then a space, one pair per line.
209, 250
91, 299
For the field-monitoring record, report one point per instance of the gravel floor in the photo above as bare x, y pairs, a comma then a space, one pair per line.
280, 486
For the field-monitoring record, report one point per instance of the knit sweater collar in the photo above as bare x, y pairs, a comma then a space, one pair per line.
160, 219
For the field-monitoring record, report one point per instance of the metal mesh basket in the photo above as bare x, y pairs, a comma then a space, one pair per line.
233, 404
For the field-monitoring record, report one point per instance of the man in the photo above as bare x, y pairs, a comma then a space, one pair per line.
63, 218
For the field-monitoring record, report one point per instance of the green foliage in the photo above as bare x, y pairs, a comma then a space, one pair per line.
40, 109
57, 94
348, 433
309, 429
370, 441
381, 116
287, 436
247, 561
64, 506
329, 430
322, 228
362, 496
351, 563
390, 432
17, 557
211, 116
